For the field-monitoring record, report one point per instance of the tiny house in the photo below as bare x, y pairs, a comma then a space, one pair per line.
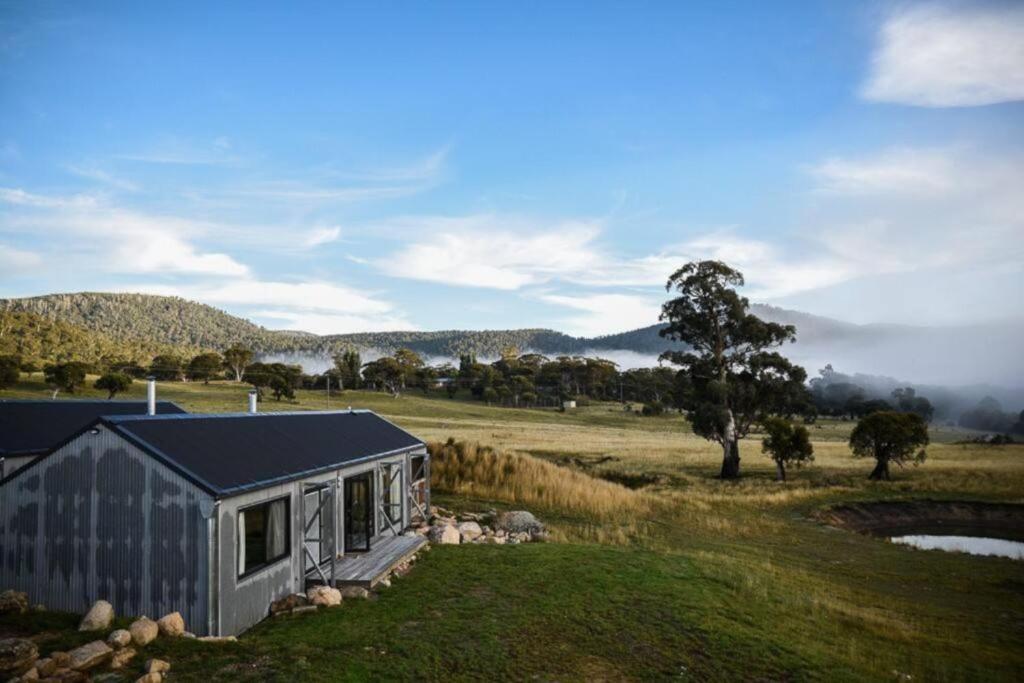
213, 516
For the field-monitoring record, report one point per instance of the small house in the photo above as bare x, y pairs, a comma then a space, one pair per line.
29, 429
212, 516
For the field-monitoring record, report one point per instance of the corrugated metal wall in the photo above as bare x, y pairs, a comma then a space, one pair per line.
99, 519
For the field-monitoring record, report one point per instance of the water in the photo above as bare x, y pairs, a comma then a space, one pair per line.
974, 545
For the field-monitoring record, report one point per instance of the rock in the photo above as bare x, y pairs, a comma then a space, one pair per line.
119, 638
90, 655
288, 603
30, 675
354, 592
470, 531
122, 657
518, 521
61, 660
157, 666
384, 583
67, 676
497, 540
445, 534
324, 595
39, 607
46, 666
98, 618
305, 609
539, 536
13, 601
189, 635
218, 639
171, 625
422, 530
144, 631
17, 655
150, 678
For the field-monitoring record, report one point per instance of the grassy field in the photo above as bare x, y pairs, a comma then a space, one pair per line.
682, 576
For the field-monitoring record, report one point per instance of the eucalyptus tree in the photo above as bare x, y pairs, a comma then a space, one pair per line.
890, 438
729, 377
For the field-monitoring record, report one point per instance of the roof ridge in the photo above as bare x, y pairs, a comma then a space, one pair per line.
215, 416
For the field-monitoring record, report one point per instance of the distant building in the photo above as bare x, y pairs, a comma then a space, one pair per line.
213, 516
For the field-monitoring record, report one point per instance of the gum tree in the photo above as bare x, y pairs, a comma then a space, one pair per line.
889, 437
786, 444
729, 377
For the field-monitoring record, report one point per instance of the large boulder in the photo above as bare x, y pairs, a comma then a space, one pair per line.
518, 521
121, 657
144, 631
324, 595
444, 534
469, 531
17, 655
171, 625
90, 655
354, 592
98, 618
13, 601
288, 603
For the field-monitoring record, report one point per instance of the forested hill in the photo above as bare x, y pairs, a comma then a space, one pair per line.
163, 320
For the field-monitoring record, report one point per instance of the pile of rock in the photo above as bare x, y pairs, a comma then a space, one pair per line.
298, 603
19, 657
517, 526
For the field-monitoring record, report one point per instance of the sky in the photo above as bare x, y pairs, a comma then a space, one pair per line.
344, 167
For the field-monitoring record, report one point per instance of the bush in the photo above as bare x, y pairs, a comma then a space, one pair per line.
653, 408
10, 371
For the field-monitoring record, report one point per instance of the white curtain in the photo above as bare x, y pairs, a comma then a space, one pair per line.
241, 543
276, 522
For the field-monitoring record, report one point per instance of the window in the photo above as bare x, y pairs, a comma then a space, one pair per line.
263, 536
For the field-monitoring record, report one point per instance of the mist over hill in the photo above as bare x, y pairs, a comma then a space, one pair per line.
981, 359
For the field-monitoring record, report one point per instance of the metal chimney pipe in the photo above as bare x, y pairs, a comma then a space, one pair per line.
252, 401
151, 396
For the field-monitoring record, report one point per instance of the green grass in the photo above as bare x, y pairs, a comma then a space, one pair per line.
713, 581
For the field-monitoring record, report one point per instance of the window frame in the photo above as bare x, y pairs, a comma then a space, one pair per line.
287, 536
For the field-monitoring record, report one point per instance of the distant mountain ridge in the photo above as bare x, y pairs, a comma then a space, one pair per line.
176, 321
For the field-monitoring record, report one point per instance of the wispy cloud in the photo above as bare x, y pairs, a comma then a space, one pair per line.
319, 236
605, 313
101, 176
949, 56
17, 261
181, 152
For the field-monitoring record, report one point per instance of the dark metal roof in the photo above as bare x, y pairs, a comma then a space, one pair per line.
36, 427
230, 453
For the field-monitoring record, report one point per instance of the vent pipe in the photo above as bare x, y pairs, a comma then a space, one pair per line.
252, 401
151, 396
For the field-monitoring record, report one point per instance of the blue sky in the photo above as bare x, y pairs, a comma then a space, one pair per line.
346, 167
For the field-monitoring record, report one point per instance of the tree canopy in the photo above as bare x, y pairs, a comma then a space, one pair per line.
786, 444
113, 383
889, 437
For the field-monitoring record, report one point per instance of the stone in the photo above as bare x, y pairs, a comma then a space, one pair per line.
61, 660
144, 631
324, 595
46, 666
119, 638
288, 603
30, 675
354, 592
218, 639
67, 676
497, 540
384, 583
122, 657
17, 655
518, 521
13, 601
157, 666
445, 534
98, 618
89, 656
470, 531
171, 625
39, 607
189, 635
539, 536
304, 609
150, 678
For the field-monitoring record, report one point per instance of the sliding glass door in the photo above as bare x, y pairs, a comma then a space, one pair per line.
358, 512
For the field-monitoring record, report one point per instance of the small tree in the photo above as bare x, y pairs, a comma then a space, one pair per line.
205, 366
349, 365
67, 376
489, 395
889, 437
113, 383
236, 359
786, 444
10, 371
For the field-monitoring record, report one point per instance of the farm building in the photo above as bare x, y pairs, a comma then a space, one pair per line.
29, 429
213, 516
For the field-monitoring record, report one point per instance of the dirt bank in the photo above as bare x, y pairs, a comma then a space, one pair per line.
928, 516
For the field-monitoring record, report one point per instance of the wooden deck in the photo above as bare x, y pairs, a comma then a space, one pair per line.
366, 569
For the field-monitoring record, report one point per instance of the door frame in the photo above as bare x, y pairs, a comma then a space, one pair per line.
371, 507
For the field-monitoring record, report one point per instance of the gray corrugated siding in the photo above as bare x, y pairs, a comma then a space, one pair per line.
98, 519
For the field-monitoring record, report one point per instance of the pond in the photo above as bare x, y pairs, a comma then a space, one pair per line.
973, 545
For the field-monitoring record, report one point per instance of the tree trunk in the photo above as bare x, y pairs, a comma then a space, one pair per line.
730, 450
881, 471
780, 471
